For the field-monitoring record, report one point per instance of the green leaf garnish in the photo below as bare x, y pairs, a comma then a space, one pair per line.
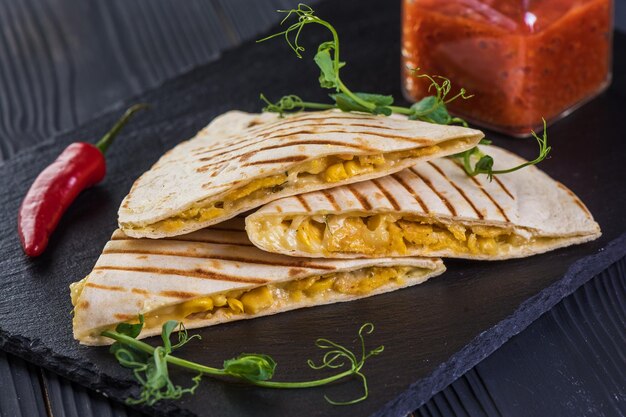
431, 109
150, 364
484, 165
329, 78
251, 366
129, 329
291, 103
347, 103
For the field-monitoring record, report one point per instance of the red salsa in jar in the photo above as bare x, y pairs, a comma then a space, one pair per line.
521, 59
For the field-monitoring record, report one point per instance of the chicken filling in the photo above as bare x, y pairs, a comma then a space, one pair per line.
309, 290
386, 235
329, 169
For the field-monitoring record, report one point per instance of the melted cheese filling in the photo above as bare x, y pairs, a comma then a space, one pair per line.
386, 235
310, 290
329, 169
276, 296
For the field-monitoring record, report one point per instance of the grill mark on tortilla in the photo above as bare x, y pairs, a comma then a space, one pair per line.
205, 168
222, 163
229, 151
576, 199
140, 291
495, 178
410, 190
331, 199
495, 203
383, 135
295, 158
370, 126
226, 146
489, 196
267, 130
253, 123
282, 131
286, 144
303, 202
434, 190
194, 273
268, 133
458, 189
123, 317
420, 141
231, 147
187, 238
105, 287
295, 271
280, 124
178, 294
364, 203
225, 186
317, 142
182, 254
387, 194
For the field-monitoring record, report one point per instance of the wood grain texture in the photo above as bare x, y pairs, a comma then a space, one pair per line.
570, 362
64, 61
532, 375
68, 400
490, 293
20, 390
31, 120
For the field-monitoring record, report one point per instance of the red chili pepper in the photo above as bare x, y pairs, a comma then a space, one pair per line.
79, 166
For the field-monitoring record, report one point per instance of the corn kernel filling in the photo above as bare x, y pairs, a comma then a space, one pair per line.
323, 170
313, 289
386, 235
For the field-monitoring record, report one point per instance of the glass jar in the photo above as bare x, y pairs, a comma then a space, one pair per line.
521, 59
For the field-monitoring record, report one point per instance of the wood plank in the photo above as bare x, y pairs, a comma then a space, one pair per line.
20, 389
41, 97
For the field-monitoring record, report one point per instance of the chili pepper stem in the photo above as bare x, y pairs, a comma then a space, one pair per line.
106, 141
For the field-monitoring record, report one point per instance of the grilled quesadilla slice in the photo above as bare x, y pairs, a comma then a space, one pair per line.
216, 275
430, 209
242, 161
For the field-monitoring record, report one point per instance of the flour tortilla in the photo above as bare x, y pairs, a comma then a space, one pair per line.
238, 148
136, 276
527, 201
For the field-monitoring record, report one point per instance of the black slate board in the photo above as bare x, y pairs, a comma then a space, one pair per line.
432, 333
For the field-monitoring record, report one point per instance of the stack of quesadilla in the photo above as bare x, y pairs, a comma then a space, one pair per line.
216, 275
241, 161
332, 185
431, 209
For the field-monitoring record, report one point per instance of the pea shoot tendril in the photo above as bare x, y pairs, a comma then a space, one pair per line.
431, 109
150, 365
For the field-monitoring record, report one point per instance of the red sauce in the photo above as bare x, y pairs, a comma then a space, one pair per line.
522, 60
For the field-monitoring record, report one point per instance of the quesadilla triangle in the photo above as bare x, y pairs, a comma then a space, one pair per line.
430, 209
241, 161
216, 275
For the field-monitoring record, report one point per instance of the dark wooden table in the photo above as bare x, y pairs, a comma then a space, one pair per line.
62, 62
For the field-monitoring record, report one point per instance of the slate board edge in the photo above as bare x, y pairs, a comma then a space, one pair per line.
86, 373
490, 340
